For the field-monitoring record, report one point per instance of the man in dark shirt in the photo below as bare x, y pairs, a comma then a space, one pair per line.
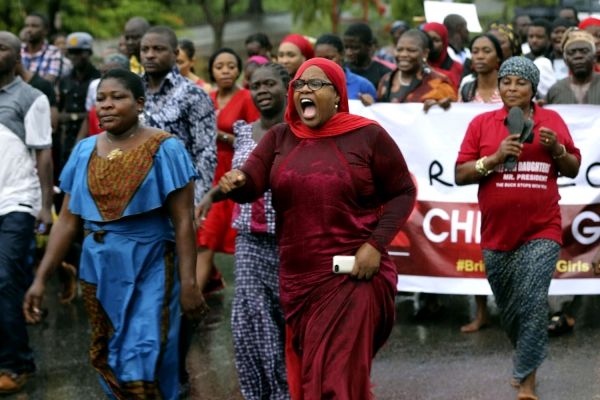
538, 38
358, 44
73, 90
458, 38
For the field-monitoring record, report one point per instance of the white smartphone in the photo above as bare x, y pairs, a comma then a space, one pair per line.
343, 264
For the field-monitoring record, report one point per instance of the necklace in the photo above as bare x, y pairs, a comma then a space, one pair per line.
404, 82
117, 152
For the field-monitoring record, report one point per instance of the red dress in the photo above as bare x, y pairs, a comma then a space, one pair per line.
332, 195
216, 232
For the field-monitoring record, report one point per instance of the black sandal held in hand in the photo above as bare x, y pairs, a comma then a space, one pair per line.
559, 324
515, 123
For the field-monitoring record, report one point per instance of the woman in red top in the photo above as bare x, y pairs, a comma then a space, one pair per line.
293, 50
340, 187
521, 229
438, 57
186, 58
232, 103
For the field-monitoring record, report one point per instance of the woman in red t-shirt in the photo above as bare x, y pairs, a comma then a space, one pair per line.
185, 63
232, 103
518, 197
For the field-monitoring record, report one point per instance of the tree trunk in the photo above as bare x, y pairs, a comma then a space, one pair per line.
218, 22
218, 30
7, 15
255, 8
53, 9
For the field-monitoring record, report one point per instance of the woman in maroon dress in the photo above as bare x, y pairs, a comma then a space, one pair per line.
232, 103
340, 187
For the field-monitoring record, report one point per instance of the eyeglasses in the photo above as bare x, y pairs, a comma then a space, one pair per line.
313, 84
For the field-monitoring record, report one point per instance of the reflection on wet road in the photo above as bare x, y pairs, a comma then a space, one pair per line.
421, 361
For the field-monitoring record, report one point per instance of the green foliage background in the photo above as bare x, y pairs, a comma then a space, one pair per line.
105, 18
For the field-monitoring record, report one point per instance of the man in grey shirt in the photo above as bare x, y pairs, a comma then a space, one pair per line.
25, 197
582, 86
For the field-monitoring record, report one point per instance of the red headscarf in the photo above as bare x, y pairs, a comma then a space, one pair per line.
342, 122
591, 21
441, 30
302, 43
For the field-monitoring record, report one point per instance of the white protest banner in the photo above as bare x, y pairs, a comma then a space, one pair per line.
436, 11
438, 250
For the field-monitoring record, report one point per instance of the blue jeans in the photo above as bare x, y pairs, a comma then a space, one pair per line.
16, 234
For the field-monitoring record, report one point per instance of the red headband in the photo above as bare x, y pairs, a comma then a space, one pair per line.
441, 30
591, 21
302, 43
342, 122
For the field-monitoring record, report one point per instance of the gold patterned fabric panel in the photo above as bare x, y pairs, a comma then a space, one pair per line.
113, 183
102, 331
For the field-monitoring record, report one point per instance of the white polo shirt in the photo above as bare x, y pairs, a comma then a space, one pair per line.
24, 127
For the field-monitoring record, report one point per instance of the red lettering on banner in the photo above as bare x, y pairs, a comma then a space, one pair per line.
441, 239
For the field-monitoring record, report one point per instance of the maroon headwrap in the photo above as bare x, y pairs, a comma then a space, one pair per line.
441, 30
342, 122
302, 43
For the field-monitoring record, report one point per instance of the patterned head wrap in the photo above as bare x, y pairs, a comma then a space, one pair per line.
507, 31
573, 35
521, 67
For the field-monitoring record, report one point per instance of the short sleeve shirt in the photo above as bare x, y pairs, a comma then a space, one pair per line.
24, 126
519, 205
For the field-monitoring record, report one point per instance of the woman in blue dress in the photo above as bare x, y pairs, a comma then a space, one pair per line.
131, 188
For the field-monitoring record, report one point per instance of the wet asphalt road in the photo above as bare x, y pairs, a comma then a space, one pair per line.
426, 361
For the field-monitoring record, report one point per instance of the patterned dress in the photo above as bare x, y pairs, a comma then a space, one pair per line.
432, 86
128, 270
257, 320
216, 232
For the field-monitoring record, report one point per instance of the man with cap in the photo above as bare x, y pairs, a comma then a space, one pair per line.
582, 86
25, 201
72, 91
